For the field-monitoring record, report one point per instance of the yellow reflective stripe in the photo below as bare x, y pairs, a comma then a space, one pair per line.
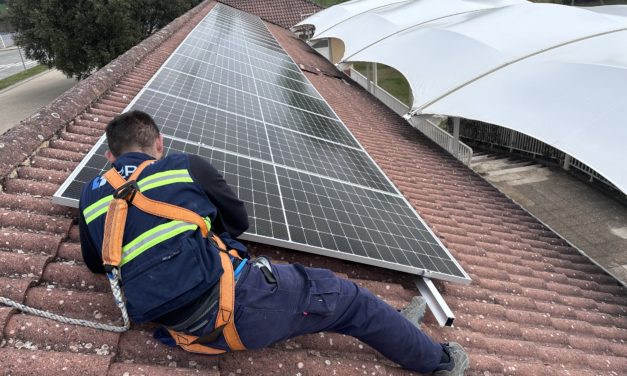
186, 179
163, 178
153, 237
97, 209
159, 179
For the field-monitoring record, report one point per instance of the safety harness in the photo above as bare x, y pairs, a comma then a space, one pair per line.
127, 193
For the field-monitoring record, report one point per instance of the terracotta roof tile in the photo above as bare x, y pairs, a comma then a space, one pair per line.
138, 346
32, 204
80, 138
62, 155
285, 13
19, 362
125, 369
52, 164
34, 222
31, 187
488, 364
75, 304
529, 317
74, 276
5, 314
70, 252
19, 265
535, 306
49, 335
618, 334
14, 288
85, 127
42, 175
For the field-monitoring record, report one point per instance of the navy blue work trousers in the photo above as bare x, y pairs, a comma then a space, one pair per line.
310, 300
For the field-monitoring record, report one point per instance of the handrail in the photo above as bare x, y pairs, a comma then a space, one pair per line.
493, 135
425, 125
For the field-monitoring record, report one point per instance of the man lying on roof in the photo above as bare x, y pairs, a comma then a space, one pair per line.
175, 272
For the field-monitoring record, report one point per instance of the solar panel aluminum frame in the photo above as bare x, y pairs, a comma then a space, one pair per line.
58, 199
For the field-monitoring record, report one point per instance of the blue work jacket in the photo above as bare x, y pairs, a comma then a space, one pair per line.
165, 264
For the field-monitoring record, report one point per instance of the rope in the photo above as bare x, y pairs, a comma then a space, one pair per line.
114, 280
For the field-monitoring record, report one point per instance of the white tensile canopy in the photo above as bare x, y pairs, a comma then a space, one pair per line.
554, 72
575, 103
327, 18
365, 29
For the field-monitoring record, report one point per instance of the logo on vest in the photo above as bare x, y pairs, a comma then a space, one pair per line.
125, 171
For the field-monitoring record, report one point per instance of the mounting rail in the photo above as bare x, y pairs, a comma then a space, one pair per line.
435, 301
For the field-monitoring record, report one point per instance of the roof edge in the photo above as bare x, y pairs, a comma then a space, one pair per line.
22, 140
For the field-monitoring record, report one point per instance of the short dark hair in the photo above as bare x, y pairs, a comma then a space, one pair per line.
131, 130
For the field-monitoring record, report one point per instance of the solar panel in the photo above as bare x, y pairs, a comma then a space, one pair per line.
230, 94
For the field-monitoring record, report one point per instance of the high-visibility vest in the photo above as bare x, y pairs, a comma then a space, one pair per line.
165, 263
128, 193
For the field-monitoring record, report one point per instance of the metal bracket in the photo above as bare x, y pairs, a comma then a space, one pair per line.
435, 301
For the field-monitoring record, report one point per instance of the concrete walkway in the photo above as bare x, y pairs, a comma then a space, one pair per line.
590, 220
25, 98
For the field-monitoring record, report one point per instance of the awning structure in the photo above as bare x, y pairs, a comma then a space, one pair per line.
554, 72
366, 29
573, 102
328, 18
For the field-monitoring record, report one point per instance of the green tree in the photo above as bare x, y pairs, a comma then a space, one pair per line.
78, 37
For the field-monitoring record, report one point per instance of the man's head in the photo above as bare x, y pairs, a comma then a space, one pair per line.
133, 131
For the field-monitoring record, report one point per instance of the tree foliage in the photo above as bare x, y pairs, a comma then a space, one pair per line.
80, 36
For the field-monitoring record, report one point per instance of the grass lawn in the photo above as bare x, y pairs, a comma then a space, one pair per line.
11, 80
3, 7
390, 80
328, 3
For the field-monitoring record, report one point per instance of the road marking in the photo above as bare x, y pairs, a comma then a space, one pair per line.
13, 65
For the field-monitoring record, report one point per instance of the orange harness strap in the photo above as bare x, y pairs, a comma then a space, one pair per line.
156, 208
225, 318
115, 221
112, 253
226, 313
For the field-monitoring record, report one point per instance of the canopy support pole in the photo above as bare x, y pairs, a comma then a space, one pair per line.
567, 159
435, 301
371, 74
454, 142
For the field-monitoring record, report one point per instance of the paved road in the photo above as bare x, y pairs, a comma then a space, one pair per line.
7, 40
10, 62
22, 100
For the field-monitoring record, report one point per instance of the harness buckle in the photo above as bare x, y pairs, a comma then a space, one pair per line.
127, 191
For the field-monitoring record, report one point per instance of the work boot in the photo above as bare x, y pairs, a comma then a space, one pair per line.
458, 361
415, 311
